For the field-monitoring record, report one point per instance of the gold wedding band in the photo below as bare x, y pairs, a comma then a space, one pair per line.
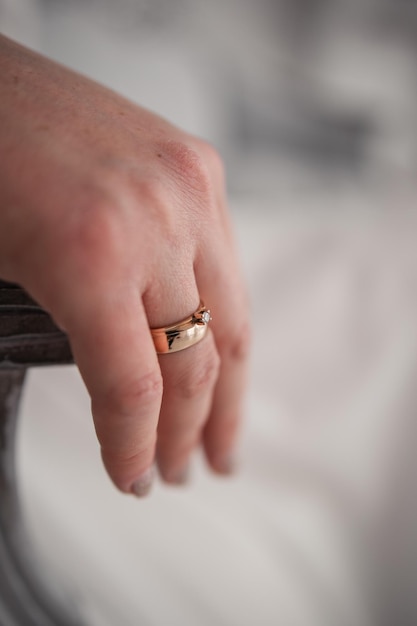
184, 334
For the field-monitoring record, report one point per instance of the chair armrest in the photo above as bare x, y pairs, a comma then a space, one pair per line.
28, 337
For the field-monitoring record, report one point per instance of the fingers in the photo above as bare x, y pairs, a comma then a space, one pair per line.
113, 348
190, 377
203, 385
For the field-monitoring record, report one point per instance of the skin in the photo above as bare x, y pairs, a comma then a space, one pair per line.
115, 221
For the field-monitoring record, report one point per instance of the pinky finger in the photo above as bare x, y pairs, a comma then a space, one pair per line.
223, 426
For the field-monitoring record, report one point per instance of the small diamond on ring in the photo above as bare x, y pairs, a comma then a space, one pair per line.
206, 317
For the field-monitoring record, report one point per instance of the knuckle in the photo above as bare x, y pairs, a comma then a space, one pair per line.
189, 165
137, 395
199, 378
126, 460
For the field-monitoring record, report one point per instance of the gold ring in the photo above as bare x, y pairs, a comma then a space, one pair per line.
184, 334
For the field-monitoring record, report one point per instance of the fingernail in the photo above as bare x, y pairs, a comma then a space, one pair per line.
225, 464
142, 486
178, 477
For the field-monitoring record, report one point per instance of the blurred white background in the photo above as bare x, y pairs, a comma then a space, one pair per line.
312, 105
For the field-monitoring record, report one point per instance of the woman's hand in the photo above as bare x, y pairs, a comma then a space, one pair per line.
116, 221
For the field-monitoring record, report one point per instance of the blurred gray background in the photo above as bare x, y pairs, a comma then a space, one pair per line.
313, 106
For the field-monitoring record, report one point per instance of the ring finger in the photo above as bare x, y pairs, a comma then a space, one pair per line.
189, 377
189, 380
